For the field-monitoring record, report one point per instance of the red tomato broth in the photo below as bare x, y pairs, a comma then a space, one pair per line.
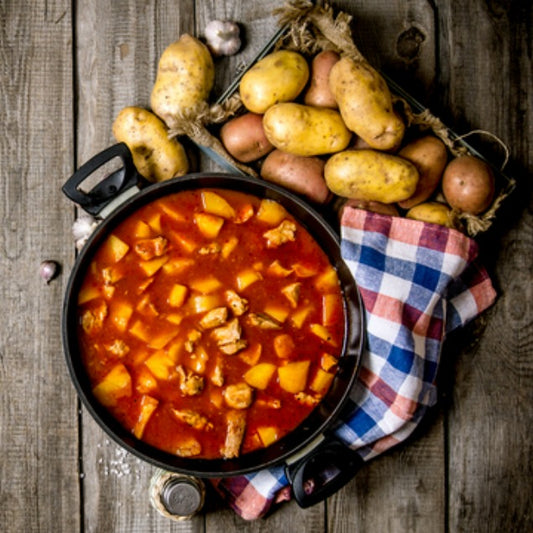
162, 429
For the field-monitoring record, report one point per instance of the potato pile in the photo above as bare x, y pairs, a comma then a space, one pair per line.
185, 77
331, 128
321, 128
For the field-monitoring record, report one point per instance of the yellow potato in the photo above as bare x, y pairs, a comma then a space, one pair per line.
185, 77
305, 130
365, 103
370, 175
155, 156
433, 212
278, 77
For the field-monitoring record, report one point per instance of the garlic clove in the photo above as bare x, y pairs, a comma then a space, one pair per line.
223, 37
48, 270
82, 228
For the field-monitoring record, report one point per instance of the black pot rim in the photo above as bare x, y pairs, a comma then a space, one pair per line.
322, 418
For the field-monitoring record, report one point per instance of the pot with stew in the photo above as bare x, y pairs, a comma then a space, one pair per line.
210, 325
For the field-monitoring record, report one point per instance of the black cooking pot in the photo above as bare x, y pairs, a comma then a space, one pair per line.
310, 451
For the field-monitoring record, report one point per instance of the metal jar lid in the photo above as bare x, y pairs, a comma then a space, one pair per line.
176, 496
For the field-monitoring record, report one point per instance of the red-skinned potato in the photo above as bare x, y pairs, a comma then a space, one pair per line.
468, 184
376, 207
244, 138
301, 174
319, 94
429, 156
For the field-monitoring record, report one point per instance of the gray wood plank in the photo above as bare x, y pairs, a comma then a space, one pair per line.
487, 79
38, 410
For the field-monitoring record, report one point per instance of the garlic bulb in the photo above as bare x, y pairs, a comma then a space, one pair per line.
223, 37
82, 228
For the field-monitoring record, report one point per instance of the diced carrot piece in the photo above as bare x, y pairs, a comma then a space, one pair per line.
327, 280
153, 265
115, 385
328, 361
267, 434
283, 345
321, 381
247, 277
271, 212
120, 314
245, 213
208, 224
216, 205
293, 376
206, 285
322, 332
252, 354
259, 376
148, 406
331, 309
177, 295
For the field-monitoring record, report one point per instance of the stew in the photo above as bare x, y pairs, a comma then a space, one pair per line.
210, 323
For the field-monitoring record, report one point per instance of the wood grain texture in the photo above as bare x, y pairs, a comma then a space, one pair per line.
66, 70
38, 410
485, 75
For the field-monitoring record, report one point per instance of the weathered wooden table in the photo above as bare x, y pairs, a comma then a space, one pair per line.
67, 68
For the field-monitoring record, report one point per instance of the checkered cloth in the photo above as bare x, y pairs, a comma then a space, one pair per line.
418, 282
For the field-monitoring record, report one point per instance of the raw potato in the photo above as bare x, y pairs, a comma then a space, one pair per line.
319, 94
303, 175
244, 138
376, 207
429, 156
370, 175
365, 103
305, 130
279, 77
433, 212
185, 77
468, 184
155, 156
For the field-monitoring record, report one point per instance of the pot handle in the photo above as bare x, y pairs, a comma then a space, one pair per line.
110, 187
322, 472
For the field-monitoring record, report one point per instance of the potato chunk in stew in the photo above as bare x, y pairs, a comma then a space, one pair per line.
210, 323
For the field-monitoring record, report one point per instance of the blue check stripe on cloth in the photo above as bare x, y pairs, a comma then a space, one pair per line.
418, 282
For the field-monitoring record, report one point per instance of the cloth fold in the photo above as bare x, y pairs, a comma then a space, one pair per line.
418, 282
